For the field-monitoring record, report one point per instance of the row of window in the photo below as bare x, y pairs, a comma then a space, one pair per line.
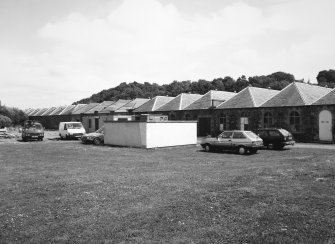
294, 118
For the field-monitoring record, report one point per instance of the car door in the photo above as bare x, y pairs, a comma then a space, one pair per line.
239, 139
224, 140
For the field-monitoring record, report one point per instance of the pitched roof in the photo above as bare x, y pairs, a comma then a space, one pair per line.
180, 102
78, 106
85, 108
297, 94
68, 110
49, 111
249, 97
329, 98
154, 104
28, 110
132, 105
114, 106
57, 111
100, 107
41, 111
206, 101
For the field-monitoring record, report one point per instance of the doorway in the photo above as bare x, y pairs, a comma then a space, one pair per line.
325, 126
204, 126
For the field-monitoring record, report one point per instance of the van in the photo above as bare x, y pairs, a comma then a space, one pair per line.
69, 130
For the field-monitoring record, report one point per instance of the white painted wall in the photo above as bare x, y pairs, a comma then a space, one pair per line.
150, 134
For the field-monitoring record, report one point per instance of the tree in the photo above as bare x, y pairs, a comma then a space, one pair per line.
5, 121
326, 78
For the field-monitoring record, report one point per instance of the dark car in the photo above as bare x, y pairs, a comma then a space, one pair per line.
97, 137
32, 130
275, 137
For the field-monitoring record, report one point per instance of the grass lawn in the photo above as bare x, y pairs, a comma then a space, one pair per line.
63, 191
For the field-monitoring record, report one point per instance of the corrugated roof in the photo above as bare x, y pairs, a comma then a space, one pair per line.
68, 110
32, 110
100, 107
297, 94
85, 108
180, 102
28, 110
206, 101
137, 102
116, 105
153, 104
249, 97
57, 111
329, 98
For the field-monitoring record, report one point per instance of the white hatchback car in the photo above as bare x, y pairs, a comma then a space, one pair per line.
238, 140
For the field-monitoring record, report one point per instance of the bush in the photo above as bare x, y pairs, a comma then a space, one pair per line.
5, 121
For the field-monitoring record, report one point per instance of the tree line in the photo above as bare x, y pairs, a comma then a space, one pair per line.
276, 81
11, 116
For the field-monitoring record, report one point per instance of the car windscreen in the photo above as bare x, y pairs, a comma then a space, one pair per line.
74, 126
34, 126
284, 132
251, 135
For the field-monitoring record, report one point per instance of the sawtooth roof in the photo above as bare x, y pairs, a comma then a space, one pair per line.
101, 106
154, 104
85, 108
41, 111
68, 110
116, 105
137, 102
297, 94
49, 111
249, 97
57, 111
206, 101
180, 102
35, 111
329, 98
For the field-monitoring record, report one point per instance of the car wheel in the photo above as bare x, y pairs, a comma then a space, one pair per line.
207, 148
97, 141
242, 150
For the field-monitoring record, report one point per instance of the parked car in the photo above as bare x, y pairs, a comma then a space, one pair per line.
32, 130
69, 130
275, 137
97, 137
236, 140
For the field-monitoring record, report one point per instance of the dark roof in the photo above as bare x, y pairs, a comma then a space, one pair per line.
180, 102
116, 105
206, 101
78, 107
329, 98
249, 97
100, 107
132, 105
297, 94
153, 104
85, 108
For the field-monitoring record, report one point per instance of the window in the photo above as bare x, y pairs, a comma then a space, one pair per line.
295, 121
238, 135
263, 133
223, 123
274, 133
267, 119
226, 134
89, 123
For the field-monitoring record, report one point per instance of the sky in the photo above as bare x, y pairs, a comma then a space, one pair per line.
56, 52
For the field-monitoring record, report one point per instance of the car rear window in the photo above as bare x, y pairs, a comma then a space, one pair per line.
239, 135
284, 132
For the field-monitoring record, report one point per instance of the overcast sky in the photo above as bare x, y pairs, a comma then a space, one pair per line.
55, 52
